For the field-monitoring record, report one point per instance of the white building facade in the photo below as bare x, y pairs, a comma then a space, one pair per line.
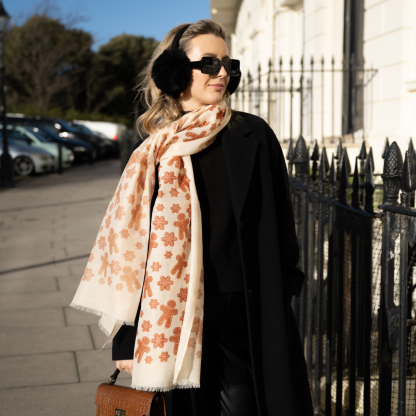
362, 83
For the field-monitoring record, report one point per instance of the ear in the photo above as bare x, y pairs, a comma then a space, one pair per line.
171, 72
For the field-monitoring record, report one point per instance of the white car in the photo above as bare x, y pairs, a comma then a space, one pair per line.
28, 159
110, 130
24, 136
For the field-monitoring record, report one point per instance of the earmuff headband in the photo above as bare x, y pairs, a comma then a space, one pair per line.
172, 72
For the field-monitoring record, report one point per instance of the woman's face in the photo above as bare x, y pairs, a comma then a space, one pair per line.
204, 88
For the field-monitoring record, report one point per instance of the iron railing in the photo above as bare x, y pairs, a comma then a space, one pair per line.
356, 312
297, 100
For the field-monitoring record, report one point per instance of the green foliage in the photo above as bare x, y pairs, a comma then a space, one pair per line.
113, 72
51, 70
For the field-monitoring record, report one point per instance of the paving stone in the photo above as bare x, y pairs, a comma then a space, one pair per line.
51, 270
42, 340
32, 318
12, 285
39, 369
70, 284
29, 301
76, 317
97, 366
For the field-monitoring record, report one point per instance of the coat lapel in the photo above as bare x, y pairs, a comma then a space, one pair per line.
239, 153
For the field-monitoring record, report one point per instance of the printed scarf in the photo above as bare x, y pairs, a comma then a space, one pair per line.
156, 261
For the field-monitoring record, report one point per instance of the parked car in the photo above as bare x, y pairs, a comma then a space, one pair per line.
80, 149
110, 147
110, 130
22, 135
28, 159
59, 127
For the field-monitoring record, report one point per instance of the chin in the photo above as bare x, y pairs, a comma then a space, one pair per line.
214, 99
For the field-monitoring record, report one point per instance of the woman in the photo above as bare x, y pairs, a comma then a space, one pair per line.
219, 275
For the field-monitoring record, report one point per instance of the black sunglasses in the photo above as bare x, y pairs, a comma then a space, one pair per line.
212, 66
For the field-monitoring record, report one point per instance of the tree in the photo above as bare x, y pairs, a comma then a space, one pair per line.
113, 73
42, 59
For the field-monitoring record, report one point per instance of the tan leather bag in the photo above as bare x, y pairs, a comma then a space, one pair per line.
114, 400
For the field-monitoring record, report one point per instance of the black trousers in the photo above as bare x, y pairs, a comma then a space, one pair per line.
226, 377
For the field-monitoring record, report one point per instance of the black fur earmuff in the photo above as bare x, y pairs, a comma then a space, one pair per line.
171, 71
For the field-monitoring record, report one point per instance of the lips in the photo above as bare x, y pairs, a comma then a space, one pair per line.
217, 87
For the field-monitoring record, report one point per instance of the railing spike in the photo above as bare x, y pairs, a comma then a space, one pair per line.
362, 154
290, 153
347, 161
314, 156
323, 163
332, 178
338, 149
406, 181
392, 173
315, 151
355, 196
369, 186
367, 161
300, 156
307, 165
343, 180
385, 148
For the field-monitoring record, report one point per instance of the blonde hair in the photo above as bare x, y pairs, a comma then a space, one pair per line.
163, 109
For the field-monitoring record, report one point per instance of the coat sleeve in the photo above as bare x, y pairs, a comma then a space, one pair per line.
123, 342
293, 277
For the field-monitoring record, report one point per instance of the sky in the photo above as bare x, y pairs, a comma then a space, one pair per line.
105, 19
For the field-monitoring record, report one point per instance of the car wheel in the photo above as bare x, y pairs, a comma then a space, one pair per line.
23, 166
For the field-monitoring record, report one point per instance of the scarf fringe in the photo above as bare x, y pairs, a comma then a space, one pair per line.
167, 388
99, 313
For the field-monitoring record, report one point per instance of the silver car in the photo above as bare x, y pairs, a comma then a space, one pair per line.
28, 159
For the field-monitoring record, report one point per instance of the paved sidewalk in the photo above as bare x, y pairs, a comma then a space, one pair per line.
50, 358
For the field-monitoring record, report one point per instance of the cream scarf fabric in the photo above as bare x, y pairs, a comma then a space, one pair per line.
163, 253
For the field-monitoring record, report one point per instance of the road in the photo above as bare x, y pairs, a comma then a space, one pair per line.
50, 357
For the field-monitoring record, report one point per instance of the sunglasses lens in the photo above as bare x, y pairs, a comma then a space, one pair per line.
210, 66
235, 67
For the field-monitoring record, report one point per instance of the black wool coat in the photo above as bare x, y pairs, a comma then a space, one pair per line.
269, 251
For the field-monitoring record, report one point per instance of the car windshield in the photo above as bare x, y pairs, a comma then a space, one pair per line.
41, 135
47, 132
82, 128
66, 126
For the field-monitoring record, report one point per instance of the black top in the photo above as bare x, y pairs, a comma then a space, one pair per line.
221, 258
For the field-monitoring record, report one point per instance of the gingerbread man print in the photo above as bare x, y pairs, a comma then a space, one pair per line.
178, 267
183, 182
175, 339
140, 182
177, 161
152, 243
137, 215
142, 348
147, 290
182, 223
168, 312
112, 240
104, 264
130, 277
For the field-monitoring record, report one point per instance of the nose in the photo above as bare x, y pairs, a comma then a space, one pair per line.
222, 73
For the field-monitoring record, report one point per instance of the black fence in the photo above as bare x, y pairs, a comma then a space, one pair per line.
312, 99
356, 312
